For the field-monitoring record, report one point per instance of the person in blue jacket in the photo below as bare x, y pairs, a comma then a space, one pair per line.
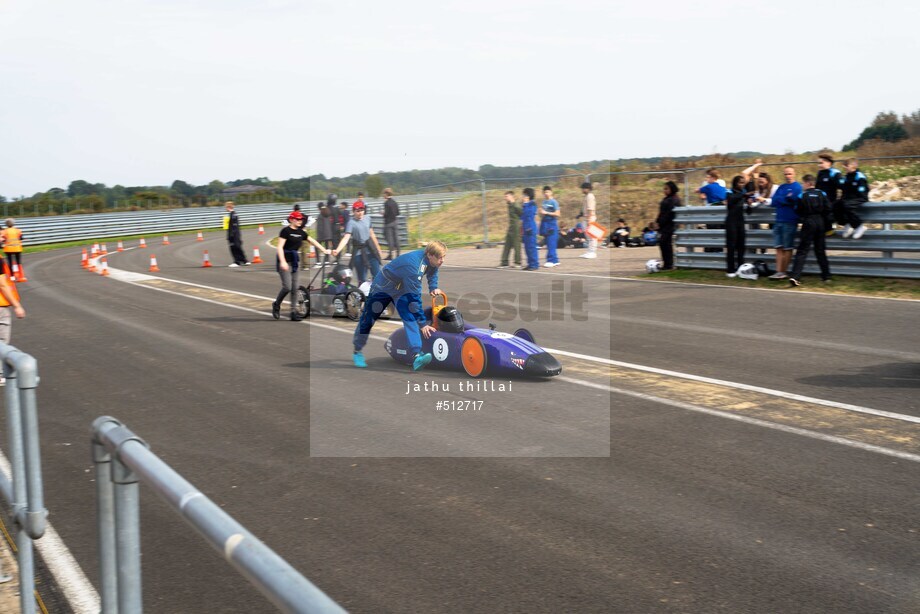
529, 228
400, 281
549, 226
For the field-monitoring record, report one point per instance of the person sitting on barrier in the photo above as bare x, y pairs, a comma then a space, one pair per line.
366, 249
287, 263
735, 203
400, 281
830, 181
813, 208
855, 193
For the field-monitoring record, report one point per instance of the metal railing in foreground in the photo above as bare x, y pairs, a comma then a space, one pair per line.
886, 242
122, 459
24, 492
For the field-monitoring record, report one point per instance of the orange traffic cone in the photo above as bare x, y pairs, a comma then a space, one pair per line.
207, 260
261, 230
165, 239
143, 244
200, 236
153, 264
19, 272
95, 248
91, 264
104, 269
105, 252
256, 258
84, 261
121, 247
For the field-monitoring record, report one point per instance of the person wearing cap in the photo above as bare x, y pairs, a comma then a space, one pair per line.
366, 249
400, 282
290, 240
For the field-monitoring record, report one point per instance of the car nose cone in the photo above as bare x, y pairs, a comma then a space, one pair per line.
542, 365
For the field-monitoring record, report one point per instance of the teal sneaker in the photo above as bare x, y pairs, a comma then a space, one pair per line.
358, 357
420, 361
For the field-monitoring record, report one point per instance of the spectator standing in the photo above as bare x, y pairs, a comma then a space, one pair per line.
513, 234
786, 222
288, 262
549, 226
855, 193
365, 249
830, 181
529, 230
589, 211
325, 233
235, 237
391, 224
735, 235
12, 246
665, 223
813, 207
9, 304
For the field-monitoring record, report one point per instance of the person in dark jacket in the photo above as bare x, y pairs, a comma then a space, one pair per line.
391, 224
665, 223
325, 232
830, 181
235, 237
855, 193
812, 208
735, 235
513, 234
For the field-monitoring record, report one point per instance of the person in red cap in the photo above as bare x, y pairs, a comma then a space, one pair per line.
287, 264
366, 249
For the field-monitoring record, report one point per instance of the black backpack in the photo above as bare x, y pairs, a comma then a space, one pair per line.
762, 269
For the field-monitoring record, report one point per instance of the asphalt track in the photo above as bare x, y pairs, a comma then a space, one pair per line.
690, 512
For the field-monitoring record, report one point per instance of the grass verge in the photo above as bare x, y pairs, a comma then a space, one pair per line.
861, 286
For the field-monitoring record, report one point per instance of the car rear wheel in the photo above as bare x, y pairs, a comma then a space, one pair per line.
354, 302
302, 302
473, 356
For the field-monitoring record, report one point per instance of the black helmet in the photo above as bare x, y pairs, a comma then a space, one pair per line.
330, 199
342, 274
450, 320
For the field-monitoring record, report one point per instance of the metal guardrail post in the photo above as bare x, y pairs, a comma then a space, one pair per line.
25, 494
127, 538
131, 461
105, 519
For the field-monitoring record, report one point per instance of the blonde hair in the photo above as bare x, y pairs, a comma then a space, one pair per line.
436, 249
229, 203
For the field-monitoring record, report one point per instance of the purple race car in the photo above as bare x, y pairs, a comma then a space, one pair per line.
478, 351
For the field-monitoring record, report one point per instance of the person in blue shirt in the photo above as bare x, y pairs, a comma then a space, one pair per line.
400, 281
549, 226
785, 199
529, 230
714, 192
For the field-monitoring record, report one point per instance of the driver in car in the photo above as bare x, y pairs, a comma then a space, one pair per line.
400, 281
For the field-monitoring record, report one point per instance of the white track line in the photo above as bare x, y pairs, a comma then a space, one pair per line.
753, 421
69, 576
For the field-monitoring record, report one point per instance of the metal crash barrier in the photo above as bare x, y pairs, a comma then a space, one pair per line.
24, 492
122, 459
885, 241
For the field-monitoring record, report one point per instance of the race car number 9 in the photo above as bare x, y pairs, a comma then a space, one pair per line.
440, 349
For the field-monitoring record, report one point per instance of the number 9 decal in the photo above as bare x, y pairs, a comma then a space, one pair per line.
440, 350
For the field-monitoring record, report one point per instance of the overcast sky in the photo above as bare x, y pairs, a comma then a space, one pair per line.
142, 92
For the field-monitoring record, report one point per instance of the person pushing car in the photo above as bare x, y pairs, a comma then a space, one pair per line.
400, 281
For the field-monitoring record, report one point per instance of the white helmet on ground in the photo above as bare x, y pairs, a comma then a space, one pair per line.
652, 266
747, 271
